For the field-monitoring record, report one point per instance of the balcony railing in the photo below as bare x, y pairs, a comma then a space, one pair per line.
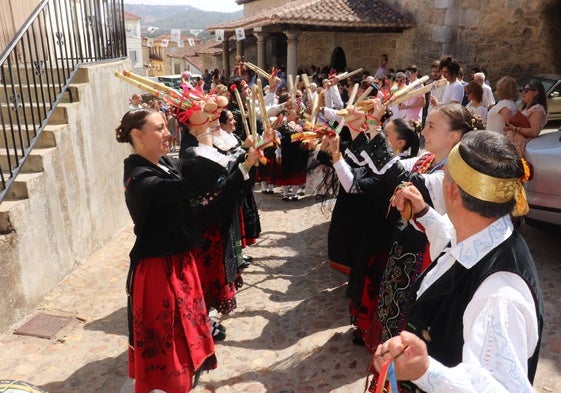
38, 64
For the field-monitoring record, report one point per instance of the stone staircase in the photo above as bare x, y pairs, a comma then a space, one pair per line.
67, 199
19, 135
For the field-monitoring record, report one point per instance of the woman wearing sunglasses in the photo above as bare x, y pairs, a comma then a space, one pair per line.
534, 107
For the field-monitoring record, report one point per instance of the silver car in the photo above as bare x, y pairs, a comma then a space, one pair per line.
552, 86
544, 190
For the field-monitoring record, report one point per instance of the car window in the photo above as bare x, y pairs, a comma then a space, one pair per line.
547, 84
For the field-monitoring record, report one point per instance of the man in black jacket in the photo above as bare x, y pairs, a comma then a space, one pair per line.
476, 318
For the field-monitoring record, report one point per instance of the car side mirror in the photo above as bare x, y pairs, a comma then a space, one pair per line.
555, 94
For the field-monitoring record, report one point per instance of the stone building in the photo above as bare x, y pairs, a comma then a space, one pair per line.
514, 37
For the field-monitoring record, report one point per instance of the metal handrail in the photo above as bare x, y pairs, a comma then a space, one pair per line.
40, 61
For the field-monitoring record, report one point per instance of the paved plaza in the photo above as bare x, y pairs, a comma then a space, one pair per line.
289, 334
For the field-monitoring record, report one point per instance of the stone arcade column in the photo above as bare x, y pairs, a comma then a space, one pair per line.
239, 48
291, 52
226, 55
261, 40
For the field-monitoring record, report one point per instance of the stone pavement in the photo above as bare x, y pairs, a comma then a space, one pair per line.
289, 334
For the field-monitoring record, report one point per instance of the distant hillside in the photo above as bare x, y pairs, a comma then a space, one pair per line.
186, 18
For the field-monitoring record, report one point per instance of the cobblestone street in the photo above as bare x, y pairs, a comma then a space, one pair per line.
290, 332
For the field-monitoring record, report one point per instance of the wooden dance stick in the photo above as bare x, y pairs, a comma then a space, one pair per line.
263, 108
315, 110
253, 117
352, 96
262, 73
364, 94
290, 81
242, 112
419, 91
405, 90
304, 77
346, 75
182, 103
294, 86
155, 85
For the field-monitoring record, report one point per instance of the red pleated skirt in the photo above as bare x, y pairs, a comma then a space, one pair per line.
171, 332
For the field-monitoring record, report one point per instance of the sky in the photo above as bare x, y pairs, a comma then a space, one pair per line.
205, 5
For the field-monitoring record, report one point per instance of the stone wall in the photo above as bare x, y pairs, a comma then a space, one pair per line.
506, 37
361, 49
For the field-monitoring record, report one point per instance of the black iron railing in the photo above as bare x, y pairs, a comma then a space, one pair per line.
37, 65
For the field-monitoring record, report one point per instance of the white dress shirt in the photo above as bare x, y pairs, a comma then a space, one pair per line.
500, 322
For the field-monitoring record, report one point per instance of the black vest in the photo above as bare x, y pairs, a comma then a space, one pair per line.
437, 316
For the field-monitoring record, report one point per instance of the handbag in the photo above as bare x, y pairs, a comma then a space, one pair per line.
519, 120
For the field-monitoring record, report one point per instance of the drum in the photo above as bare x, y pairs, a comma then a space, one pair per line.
11, 386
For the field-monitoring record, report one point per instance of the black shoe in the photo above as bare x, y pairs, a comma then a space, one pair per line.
238, 282
217, 325
357, 339
217, 334
247, 258
294, 198
197, 377
285, 198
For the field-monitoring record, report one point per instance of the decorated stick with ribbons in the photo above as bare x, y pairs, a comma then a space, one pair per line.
386, 381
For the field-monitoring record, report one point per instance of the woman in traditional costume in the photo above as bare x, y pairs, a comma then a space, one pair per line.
217, 180
365, 277
169, 334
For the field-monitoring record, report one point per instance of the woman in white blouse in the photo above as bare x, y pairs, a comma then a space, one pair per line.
500, 114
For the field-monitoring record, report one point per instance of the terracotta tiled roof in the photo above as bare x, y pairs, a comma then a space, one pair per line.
128, 15
184, 37
191, 53
196, 61
367, 15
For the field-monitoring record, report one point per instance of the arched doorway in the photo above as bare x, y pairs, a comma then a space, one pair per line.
338, 59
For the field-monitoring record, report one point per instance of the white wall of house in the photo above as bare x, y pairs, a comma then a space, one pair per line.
134, 44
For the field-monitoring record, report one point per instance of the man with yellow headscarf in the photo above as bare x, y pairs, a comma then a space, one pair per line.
476, 320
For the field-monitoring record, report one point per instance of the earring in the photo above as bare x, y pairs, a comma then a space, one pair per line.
141, 146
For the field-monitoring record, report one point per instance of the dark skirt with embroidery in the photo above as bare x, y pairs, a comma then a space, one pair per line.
172, 338
219, 292
408, 258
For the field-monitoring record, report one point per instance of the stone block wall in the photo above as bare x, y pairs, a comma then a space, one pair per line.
506, 37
